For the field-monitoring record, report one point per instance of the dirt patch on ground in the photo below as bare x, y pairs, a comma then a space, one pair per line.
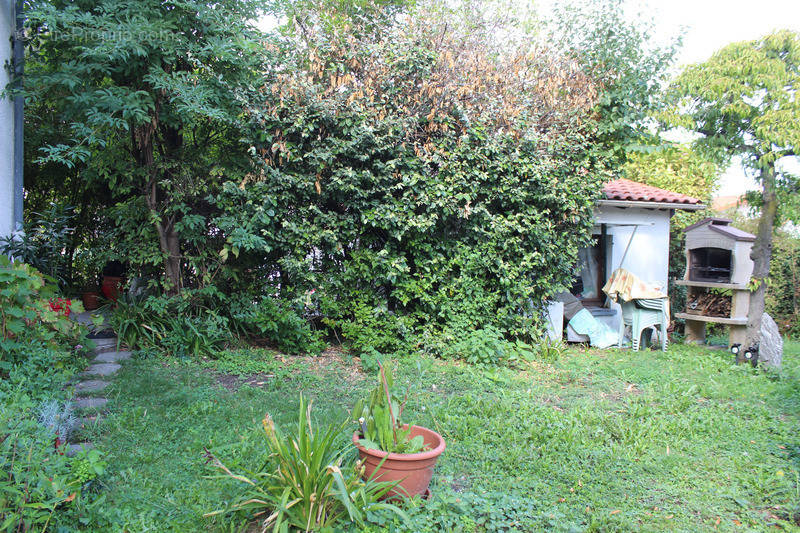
233, 383
460, 483
616, 396
554, 402
332, 360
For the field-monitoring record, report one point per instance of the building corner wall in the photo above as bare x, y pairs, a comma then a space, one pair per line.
7, 27
648, 255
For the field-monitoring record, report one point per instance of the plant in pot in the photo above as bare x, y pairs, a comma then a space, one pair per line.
90, 297
391, 450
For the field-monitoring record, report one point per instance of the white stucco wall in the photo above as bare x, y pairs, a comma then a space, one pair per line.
6, 122
648, 256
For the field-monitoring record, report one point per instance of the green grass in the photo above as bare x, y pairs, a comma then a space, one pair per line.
598, 441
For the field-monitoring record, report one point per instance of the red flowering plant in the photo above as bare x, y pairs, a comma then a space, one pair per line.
31, 314
62, 305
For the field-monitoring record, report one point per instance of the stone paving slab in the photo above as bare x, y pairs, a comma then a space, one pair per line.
102, 369
87, 319
90, 403
112, 357
73, 449
105, 345
91, 385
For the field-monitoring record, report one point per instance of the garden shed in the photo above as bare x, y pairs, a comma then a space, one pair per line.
631, 231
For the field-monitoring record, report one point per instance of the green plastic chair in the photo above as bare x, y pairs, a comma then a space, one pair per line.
642, 314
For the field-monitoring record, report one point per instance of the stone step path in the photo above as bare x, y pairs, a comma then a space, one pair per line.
102, 369
105, 345
94, 380
111, 357
91, 385
74, 449
90, 404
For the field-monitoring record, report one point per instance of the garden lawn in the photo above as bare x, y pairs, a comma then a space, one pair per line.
598, 440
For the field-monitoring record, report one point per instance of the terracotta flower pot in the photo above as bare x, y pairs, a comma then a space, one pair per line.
111, 286
413, 471
91, 300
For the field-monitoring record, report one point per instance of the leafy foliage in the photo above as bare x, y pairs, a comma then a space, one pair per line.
388, 171
677, 168
42, 242
153, 323
616, 48
486, 346
414, 172
132, 323
276, 321
39, 485
40, 348
305, 484
35, 479
29, 322
153, 94
783, 293
742, 102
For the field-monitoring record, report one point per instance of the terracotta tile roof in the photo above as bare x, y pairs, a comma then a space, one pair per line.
622, 189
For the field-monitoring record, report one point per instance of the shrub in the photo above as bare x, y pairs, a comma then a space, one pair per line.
369, 329
415, 177
36, 478
42, 243
306, 483
134, 325
194, 336
783, 292
277, 322
39, 349
37, 339
174, 325
486, 346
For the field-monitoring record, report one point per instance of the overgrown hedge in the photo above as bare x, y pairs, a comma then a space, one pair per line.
783, 292
393, 211
384, 178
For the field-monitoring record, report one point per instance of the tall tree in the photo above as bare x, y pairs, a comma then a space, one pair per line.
616, 48
743, 102
148, 96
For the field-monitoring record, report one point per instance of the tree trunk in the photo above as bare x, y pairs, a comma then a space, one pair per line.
170, 246
761, 254
169, 241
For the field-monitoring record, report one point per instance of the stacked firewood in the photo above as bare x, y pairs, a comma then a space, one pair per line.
709, 304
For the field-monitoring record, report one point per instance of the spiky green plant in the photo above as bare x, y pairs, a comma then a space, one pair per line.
306, 483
